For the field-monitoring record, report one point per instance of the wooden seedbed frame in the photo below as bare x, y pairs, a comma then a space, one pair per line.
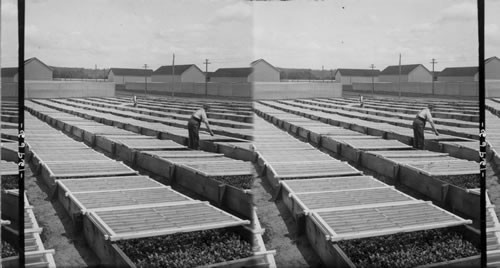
115, 257
333, 256
9, 151
10, 205
274, 178
452, 197
134, 127
458, 151
231, 150
237, 200
49, 177
111, 255
449, 196
35, 253
130, 155
75, 208
299, 209
106, 143
299, 156
402, 123
86, 154
165, 166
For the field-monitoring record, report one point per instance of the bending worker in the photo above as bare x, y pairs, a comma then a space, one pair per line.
135, 100
194, 126
419, 126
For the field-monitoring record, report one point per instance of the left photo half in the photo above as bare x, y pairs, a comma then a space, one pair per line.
20, 233
138, 129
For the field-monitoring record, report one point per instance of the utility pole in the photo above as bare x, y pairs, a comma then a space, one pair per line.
173, 74
399, 76
433, 62
206, 76
145, 79
373, 75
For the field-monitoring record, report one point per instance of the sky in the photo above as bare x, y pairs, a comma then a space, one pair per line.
357, 34
326, 34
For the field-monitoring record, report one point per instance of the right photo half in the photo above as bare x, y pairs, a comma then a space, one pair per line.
366, 119
492, 125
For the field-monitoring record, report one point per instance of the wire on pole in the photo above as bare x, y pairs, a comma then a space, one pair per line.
373, 75
145, 80
433, 62
206, 76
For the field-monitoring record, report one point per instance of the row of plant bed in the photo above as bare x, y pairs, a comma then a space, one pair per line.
187, 249
408, 249
469, 181
240, 181
10, 182
8, 250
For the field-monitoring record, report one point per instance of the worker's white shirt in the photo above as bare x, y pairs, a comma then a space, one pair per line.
425, 114
200, 114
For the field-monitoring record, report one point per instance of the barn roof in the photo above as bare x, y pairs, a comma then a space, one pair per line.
12, 71
459, 71
490, 59
262, 60
359, 72
131, 72
9, 72
36, 59
405, 69
232, 72
177, 69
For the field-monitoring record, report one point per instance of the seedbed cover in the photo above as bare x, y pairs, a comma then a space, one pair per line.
161, 219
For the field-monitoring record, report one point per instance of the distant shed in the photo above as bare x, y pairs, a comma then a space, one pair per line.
263, 71
492, 68
34, 69
409, 73
125, 75
232, 75
459, 74
178, 73
349, 76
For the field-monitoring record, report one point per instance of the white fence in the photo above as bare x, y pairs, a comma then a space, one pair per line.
463, 89
60, 89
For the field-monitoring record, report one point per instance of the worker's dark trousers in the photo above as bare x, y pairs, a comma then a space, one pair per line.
193, 130
418, 133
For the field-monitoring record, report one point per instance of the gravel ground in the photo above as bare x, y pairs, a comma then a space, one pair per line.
292, 249
493, 187
58, 233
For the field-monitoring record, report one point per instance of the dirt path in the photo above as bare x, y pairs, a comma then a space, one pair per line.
493, 187
58, 233
292, 249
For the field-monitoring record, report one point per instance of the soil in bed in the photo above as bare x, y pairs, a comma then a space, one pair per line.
408, 249
186, 249
462, 181
241, 182
8, 250
10, 182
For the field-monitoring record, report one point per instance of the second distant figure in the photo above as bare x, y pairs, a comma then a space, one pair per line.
419, 125
194, 126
